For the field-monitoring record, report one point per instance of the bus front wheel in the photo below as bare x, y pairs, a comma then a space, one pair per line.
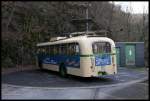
40, 65
62, 70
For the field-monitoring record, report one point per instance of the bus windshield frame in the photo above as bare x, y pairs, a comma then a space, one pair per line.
101, 47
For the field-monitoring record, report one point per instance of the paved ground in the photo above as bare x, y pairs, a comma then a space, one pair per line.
18, 68
129, 91
38, 78
129, 85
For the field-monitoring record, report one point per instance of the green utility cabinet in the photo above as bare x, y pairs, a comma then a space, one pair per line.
130, 54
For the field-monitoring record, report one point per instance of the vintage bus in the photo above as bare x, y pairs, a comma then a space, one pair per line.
85, 55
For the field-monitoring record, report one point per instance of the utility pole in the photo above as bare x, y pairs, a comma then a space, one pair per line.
86, 19
87, 16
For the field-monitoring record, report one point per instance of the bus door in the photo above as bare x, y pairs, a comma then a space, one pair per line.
130, 55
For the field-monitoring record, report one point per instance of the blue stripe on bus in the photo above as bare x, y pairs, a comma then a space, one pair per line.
69, 61
74, 61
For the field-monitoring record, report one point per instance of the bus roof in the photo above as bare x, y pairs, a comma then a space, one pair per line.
77, 39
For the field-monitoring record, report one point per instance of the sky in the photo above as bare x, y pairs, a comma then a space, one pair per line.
137, 6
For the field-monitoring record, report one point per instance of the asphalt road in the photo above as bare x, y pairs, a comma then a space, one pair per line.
125, 91
46, 78
127, 84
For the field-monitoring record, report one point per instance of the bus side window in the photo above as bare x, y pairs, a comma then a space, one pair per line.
77, 50
95, 48
70, 49
59, 49
50, 50
67, 49
63, 49
55, 49
47, 50
73, 49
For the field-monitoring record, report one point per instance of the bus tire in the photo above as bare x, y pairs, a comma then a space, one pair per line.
40, 65
62, 70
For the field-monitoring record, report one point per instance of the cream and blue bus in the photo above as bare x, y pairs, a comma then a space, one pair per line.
82, 54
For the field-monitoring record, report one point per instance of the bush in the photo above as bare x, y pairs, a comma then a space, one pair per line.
7, 62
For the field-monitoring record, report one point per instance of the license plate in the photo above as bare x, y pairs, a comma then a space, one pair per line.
99, 73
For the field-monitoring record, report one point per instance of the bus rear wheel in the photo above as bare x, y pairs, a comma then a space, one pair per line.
62, 70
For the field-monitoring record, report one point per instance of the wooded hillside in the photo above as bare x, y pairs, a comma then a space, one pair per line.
24, 24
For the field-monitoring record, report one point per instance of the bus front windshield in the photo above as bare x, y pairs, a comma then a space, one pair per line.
101, 47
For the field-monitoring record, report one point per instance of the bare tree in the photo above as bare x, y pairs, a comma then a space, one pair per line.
110, 20
145, 36
128, 20
11, 16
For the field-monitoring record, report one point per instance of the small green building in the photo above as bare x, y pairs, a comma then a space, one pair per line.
130, 54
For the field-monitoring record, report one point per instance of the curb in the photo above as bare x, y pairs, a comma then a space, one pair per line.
90, 87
